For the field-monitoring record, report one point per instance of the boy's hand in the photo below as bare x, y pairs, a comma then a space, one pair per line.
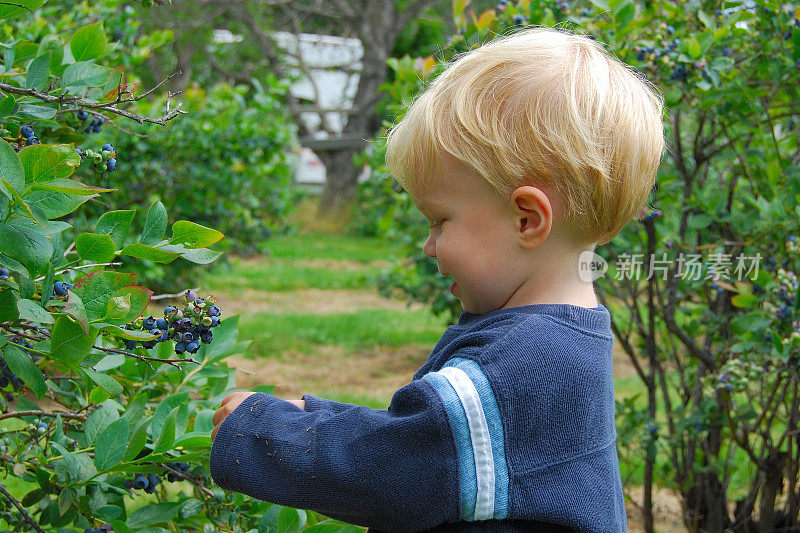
231, 402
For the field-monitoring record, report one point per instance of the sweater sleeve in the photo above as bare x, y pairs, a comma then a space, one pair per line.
394, 470
313, 403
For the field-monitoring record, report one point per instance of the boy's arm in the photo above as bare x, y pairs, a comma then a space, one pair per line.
393, 469
314, 403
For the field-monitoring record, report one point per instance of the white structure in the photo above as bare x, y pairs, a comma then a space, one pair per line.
333, 65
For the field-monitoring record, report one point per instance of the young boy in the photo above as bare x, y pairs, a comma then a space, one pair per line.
522, 154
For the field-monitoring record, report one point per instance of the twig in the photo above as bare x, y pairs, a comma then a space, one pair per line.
79, 267
165, 296
20, 414
21, 509
96, 114
16, 5
110, 107
171, 362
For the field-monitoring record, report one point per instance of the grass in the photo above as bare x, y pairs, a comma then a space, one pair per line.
274, 333
319, 245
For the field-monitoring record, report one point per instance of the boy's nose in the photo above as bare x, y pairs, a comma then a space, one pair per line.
429, 248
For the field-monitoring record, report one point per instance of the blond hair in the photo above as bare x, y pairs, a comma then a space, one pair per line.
541, 107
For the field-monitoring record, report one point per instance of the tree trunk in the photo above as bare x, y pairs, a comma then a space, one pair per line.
377, 32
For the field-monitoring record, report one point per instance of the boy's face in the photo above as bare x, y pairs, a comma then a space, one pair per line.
473, 238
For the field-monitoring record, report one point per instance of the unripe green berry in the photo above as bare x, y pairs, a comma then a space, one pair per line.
97, 158
206, 320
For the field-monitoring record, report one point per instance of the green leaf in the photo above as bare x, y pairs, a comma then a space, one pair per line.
21, 202
11, 169
139, 438
22, 365
142, 251
624, 14
166, 437
38, 71
111, 444
189, 508
8, 305
155, 225
694, 48
163, 410
116, 224
130, 334
69, 343
150, 515
84, 74
30, 310
45, 162
88, 42
706, 19
95, 247
36, 111
99, 420
289, 520
7, 105
77, 466
191, 235
201, 256
76, 310
69, 187
106, 382
19, 7
52, 44
56, 204
96, 288
602, 4
21, 239
744, 300
127, 304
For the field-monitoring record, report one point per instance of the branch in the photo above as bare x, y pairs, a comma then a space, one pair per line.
21, 509
110, 107
20, 414
16, 5
176, 295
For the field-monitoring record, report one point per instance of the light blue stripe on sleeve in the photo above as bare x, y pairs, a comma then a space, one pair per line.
493, 420
466, 459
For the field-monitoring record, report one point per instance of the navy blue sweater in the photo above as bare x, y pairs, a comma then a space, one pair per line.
508, 426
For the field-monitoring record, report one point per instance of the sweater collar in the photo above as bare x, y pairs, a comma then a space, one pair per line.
592, 317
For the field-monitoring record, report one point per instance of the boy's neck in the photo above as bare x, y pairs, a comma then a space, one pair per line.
553, 283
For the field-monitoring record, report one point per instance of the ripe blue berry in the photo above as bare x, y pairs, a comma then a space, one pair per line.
149, 323
192, 347
129, 344
141, 482
518, 20
26, 131
108, 147
180, 348
162, 324
42, 425
213, 311
82, 115
191, 295
111, 164
187, 337
4, 273
60, 288
214, 322
33, 140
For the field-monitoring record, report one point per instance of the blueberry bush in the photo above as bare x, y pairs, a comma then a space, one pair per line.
104, 393
712, 324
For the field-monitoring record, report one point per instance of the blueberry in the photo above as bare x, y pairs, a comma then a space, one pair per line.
26, 131
213, 311
187, 337
518, 20
169, 310
42, 425
670, 30
111, 164
33, 140
149, 323
206, 337
82, 115
107, 147
154, 480
180, 348
4, 273
192, 347
191, 295
17, 382
172, 477
129, 344
101, 121
140, 482
162, 324
214, 322
128, 484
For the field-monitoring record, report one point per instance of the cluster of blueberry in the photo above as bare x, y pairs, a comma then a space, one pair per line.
28, 134
180, 467
105, 528
143, 482
105, 159
795, 23
95, 126
188, 326
4, 273
8, 376
61, 289
792, 244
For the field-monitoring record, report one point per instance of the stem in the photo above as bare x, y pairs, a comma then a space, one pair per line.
21, 509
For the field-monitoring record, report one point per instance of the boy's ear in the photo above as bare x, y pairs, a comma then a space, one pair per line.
533, 215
